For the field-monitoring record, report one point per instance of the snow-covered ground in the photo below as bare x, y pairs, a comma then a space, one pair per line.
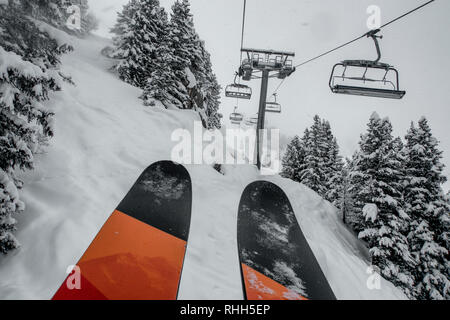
104, 139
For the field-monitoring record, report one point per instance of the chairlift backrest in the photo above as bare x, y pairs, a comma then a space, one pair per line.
251, 121
236, 118
273, 107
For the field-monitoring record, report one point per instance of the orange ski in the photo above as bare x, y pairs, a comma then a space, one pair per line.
139, 252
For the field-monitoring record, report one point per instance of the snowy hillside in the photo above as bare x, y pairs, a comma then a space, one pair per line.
104, 139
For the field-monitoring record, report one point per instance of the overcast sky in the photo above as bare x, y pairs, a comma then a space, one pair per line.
418, 46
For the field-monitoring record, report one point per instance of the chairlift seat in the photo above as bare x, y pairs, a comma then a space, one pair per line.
368, 92
251, 121
236, 118
273, 107
238, 91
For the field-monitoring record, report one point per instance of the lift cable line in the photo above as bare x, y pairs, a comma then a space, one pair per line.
359, 38
236, 89
243, 28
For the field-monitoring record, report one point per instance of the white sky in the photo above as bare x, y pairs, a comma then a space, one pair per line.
418, 46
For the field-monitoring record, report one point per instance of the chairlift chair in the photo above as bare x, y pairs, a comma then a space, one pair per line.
235, 117
246, 70
252, 121
273, 107
238, 91
386, 87
286, 70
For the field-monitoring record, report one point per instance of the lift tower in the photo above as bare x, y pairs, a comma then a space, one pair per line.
264, 64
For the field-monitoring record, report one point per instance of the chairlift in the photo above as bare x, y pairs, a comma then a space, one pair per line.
235, 117
273, 107
252, 121
239, 91
386, 85
286, 70
246, 70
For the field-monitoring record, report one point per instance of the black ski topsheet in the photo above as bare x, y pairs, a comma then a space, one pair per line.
139, 252
162, 198
276, 261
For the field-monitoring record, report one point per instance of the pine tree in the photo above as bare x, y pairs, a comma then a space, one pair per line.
184, 39
29, 61
170, 63
314, 174
322, 171
429, 211
314, 160
376, 181
333, 166
293, 160
209, 88
345, 197
212, 91
142, 47
154, 76
123, 28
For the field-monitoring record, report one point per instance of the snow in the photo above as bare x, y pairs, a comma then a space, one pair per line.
375, 116
370, 212
11, 61
191, 78
104, 139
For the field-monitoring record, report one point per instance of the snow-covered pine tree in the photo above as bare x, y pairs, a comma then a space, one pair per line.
182, 43
345, 197
314, 173
208, 86
314, 160
122, 28
212, 91
176, 70
191, 82
142, 47
333, 166
184, 38
322, 171
162, 84
293, 160
429, 212
28, 72
377, 188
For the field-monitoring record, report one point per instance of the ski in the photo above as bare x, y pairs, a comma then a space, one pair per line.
139, 252
275, 258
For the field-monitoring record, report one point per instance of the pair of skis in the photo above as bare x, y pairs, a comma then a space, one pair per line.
139, 252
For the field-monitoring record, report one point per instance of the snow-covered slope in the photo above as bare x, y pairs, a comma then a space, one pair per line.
104, 139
